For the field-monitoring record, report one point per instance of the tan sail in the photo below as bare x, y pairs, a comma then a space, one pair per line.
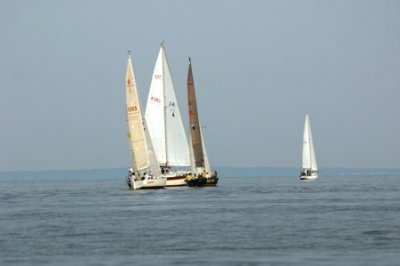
136, 134
201, 170
195, 131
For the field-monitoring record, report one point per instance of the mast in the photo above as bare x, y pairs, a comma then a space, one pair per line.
165, 105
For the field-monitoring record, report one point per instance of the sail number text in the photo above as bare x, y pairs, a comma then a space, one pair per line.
155, 99
132, 109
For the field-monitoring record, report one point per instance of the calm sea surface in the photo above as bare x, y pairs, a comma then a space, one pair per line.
96, 220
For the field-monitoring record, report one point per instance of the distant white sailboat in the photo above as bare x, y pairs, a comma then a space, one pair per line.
165, 124
309, 163
201, 170
145, 171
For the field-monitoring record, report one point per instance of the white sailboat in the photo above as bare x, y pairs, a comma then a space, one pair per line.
309, 163
201, 170
165, 124
145, 170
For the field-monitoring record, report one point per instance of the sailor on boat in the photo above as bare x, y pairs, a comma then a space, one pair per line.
131, 177
165, 169
146, 176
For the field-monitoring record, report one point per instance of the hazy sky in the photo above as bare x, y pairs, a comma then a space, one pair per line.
259, 66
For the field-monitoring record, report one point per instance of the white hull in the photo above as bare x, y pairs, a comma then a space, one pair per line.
151, 183
134, 184
309, 177
176, 179
154, 183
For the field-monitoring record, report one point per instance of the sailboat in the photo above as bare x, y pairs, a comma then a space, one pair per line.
201, 170
145, 171
165, 124
309, 163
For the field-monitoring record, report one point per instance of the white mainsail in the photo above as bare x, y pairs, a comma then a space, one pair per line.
139, 142
308, 158
164, 118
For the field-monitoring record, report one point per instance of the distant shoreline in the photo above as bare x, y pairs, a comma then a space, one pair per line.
223, 172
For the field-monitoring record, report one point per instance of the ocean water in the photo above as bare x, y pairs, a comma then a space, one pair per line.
91, 218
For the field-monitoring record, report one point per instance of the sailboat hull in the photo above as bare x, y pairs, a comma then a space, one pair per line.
134, 184
203, 182
176, 180
154, 183
309, 177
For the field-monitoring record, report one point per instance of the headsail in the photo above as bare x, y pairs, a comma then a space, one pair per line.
163, 117
207, 166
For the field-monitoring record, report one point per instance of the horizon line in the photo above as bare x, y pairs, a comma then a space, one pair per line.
217, 167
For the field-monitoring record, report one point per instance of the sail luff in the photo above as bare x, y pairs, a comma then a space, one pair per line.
136, 135
195, 132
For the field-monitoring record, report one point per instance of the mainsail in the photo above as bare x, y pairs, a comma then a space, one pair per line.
308, 158
201, 170
140, 144
195, 130
163, 117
